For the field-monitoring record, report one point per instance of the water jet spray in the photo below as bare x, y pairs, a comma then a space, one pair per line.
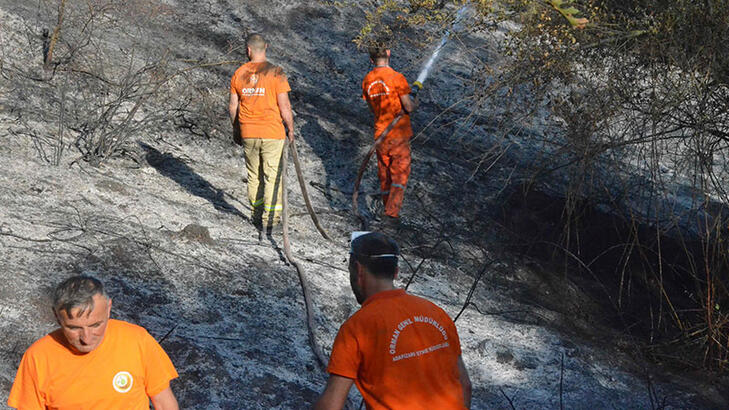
418, 84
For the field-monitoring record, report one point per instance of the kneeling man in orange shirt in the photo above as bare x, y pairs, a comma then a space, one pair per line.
92, 361
401, 351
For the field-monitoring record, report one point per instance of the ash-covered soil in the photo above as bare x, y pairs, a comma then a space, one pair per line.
166, 228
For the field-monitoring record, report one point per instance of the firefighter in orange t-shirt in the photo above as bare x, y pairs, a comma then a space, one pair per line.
401, 351
259, 102
92, 361
388, 95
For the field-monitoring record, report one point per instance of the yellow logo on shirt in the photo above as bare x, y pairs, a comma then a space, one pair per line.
123, 382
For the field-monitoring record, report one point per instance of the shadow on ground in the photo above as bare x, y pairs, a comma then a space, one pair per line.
175, 169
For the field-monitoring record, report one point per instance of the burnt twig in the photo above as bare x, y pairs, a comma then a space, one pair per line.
511, 403
473, 288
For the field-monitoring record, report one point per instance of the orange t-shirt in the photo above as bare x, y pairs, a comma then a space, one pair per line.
382, 88
127, 368
257, 86
402, 352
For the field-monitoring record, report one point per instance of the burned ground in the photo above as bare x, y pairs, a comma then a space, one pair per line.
166, 227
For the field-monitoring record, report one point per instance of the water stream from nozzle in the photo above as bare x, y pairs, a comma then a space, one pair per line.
431, 61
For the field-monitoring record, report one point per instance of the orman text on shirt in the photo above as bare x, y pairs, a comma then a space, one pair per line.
401, 328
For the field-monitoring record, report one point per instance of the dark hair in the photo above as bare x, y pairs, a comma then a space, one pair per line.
77, 292
256, 42
377, 253
378, 49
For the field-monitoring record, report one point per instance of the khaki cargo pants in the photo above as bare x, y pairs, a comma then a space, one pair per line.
263, 163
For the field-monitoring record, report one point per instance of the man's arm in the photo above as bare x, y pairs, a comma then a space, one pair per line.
335, 394
233, 108
408, 103
465, 382
165, 400
287, 115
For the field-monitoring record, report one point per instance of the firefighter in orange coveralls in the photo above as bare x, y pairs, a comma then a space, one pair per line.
388, 94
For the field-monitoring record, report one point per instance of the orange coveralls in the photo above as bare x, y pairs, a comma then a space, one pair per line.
382, 88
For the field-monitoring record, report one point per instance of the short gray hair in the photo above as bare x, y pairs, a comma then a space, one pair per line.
77, 292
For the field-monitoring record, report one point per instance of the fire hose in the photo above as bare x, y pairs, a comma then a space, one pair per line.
304, 192
315, 347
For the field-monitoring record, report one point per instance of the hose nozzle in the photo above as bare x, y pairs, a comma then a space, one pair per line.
417, 86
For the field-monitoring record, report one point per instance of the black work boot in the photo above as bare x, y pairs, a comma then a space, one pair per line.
258, 224
274, 228
256, 219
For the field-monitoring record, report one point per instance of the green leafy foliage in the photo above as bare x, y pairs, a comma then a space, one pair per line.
569, 12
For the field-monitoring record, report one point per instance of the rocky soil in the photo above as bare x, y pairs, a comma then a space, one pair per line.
166, 227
